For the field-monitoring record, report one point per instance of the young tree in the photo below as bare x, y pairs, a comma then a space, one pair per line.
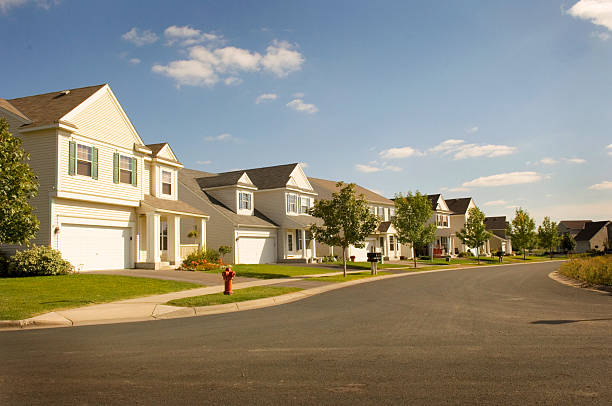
475, 234
522, 231
18, 184
568, 244
346, 220
548, 235
224, 249
412, 212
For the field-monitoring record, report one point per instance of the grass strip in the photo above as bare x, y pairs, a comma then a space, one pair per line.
240, 295
349, 277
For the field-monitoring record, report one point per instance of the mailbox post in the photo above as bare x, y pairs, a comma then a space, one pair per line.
373, 259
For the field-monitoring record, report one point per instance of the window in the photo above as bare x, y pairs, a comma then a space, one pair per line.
126, 171
372, 209
291, 203
304, 205
84, 159
382, 245
244, 200
166, 178
391, 243
163, 236
298, 240
289, 242
392, 212
381, 212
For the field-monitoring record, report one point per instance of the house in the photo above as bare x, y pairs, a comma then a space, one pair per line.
443, 243
260, 213
460, 209
596, 235
106, 199
571, 227
383, 239
500, 240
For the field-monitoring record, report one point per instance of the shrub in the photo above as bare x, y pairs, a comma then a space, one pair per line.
38, 261
202, 261
425, 257
595, 271
329, 259
4, 261
466, 254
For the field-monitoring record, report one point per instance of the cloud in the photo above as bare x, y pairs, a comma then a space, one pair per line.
399, 153
187, 36
134, 61
574, 160
461, 150
203, 162
609, 148
6, 5
367, 168
140, 38
605, 185
232, 80
265, 97
446, 146
604, 36
282, 58
548, 161
299, 105
459, 189
220, 138
472, 130
373, 167
552, 161
504, 179
298, 95
495, 203
599, 12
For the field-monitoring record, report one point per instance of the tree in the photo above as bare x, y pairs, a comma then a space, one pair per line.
548, 235
568, 244
224, 249
412, 213
18, 184
522, 231
346, 220
475, 234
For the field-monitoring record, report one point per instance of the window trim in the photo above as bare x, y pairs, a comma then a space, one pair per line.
131, 170
77, 159
162, 183
248, 201
292, 201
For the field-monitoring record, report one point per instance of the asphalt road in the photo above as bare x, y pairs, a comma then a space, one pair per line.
503, 335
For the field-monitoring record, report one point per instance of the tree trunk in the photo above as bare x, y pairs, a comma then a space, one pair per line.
344, 259
524, 254
414, 256
478, 255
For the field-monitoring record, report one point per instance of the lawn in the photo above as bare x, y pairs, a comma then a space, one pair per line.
21, 298
349, 277
366, 265
270, 271
240, 295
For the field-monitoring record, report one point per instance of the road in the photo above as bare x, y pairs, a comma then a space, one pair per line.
500, 335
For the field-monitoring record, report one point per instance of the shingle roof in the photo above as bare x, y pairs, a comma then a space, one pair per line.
325, 188
495, 223
155, 148
590, 229
434, 200
223, 179
171, 205
49, 108
499, 233
458, 206
189, 178
269, 177
384, 226
8, 106
574, 224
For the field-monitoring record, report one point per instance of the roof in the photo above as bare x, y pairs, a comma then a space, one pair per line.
189, 178
499, 233
574, 224
434, 200
325, 188
8, 106
49, 108
590, 229
384, 226
155, 148
495, 223
269, 177
458, 206
223, 179
171, 205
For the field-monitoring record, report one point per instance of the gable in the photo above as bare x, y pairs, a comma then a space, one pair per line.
442, 205
298, 179
167, 153
101, 117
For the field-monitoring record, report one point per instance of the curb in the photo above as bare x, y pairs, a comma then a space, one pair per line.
574, 283
164, 312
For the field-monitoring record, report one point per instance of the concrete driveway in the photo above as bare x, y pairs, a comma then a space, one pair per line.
208, 279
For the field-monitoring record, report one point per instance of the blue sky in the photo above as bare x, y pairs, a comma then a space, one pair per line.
508, 101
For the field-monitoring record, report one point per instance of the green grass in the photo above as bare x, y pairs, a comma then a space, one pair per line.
595, 271
21, 298
366, 265
486, 260
270, 271
240, 295
349, 277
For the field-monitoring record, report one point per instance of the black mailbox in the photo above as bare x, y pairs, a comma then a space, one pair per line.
374, 256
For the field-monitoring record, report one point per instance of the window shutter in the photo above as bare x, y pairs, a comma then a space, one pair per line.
134, 172
94, 163
71, 157
287, 197
249, 198
115, 168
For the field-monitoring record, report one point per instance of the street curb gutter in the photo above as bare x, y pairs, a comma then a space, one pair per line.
567, 281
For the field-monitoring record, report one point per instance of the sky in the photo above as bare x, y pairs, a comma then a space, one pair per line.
509, 102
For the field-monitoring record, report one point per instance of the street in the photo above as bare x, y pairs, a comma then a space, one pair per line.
493, 335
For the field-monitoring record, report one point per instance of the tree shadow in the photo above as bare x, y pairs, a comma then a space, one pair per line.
554, 322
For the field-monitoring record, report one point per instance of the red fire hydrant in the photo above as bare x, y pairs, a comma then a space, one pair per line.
228, 275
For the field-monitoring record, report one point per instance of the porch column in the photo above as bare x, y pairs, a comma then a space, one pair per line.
314, 248
174, 239
387, 250
202, 239
153, 225
304, 243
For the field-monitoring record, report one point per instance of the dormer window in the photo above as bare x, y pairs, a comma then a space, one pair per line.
304, 205
166, 181
126, 169
84, 159
245, 201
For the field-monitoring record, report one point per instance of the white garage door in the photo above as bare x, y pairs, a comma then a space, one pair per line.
361, 254
92, 247
256, 250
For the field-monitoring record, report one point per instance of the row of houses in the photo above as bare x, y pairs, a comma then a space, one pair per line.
107, 200
589, 235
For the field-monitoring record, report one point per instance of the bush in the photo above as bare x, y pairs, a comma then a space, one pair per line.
4, 261
425, 257
329, 259
595, 271
466, 254
202, 261
38, 261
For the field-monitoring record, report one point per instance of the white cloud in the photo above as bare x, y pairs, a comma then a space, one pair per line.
605, 185
399, 153
574, 160
265, 97
489, 151
187, 36
472, 130
220, 138
496, 203
504, 179
604, 36
459, 189
140, 38
203, 162
446, 146
367, 168
282, 58
6, 5
548, 161
374, 167
299, 105
134, 61
609, 148
232, 80
599, 12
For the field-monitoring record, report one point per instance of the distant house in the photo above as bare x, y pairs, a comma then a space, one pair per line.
443, 244
499, 241
460, 212
596, 235
571, 227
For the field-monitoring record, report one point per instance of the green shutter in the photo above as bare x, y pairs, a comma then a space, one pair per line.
134, 172
71, 157
94, 163
115, 168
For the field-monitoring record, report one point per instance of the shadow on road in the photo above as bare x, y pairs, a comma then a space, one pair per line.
565, 321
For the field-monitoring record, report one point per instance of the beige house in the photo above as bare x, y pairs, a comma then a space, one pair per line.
106, 200
460, 209
596, 235
443, 244
571, 227
500, 240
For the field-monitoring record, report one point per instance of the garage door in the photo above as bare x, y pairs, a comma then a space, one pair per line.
91, 247
256, 250
361, 254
